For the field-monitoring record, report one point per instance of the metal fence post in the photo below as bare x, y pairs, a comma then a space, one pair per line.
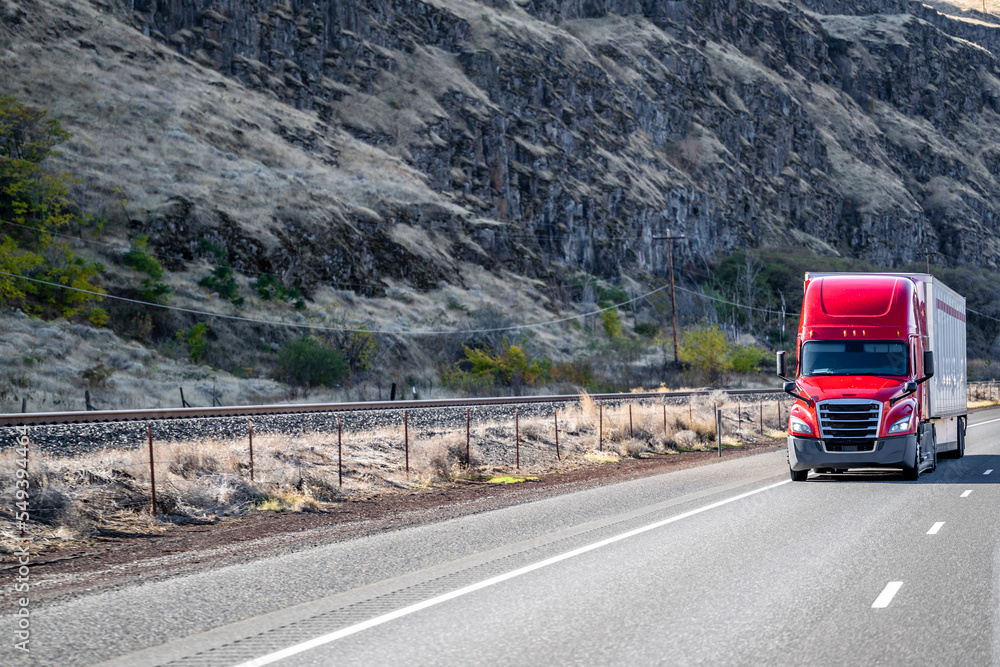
250, 431
555, 416
718, 428
600, 428
406, 441
630, 435
152, 473
340, 452
468, 435
517, 440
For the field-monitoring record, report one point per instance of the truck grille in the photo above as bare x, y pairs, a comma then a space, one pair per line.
849, 425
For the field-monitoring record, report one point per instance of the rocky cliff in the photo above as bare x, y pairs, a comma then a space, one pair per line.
589, 127
546, 136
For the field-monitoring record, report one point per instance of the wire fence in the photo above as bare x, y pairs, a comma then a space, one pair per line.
404, 449
249, 467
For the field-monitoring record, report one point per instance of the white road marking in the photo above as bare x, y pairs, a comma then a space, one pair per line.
965, 494
406, 611
982, 423
885, 597
935, 528
988, 471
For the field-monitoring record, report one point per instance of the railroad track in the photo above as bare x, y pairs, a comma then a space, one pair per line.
95, 416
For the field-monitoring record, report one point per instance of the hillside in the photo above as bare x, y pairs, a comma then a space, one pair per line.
456, 165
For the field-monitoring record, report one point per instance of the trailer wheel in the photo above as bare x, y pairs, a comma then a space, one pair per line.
799, 475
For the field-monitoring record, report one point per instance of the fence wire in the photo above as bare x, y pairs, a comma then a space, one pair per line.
60, 484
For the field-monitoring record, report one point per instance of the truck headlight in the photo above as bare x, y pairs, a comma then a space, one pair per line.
900, 425
799, 426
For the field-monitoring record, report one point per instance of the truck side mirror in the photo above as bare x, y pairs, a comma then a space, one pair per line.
908, 388
928, 363
789, 387
780, 358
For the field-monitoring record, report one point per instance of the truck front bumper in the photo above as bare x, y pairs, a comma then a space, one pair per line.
892, 452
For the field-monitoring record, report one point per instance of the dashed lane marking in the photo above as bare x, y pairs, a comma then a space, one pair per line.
965, 494
885, 597
935, 528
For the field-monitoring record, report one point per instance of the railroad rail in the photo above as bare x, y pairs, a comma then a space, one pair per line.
93, 416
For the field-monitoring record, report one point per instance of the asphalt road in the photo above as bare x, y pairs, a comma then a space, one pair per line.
724, 564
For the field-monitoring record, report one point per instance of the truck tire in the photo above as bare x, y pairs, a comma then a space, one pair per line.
799, 475
911, 472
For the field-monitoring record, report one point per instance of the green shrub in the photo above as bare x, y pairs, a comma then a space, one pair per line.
359, 348
706, 350
222, 279
508, 367
646, 329
748, 358
269, 288
610, 296
465, 383
580, 374
306, 362
36, 202
612, 323
138, 258
196, 340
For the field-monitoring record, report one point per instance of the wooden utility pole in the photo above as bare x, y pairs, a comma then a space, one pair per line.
673, 299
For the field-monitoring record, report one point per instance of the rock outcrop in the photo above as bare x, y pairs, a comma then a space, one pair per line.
570, 135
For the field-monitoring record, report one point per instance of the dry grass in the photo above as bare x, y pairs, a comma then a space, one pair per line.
43, 361
107, 492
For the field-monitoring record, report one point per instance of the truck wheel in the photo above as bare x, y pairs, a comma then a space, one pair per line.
799, 475
911, 472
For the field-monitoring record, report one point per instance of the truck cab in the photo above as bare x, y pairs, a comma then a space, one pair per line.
863, 385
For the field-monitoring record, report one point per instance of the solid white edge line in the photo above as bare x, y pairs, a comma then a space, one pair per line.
966, 494
982, 423
935, 528
405, 611
885, 597
988, 471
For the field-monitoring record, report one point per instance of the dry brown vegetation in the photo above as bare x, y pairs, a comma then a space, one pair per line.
108, 493
52, 364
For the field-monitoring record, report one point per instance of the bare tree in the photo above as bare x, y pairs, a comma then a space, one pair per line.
747, 287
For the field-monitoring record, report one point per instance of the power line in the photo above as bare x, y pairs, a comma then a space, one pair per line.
737, 305
315, 327
989, 317
123, 249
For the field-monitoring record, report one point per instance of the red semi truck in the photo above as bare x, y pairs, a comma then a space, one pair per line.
880, 380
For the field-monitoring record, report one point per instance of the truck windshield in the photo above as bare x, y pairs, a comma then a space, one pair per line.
854, 358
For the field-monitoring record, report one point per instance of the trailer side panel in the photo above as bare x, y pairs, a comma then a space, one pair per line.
946, 329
